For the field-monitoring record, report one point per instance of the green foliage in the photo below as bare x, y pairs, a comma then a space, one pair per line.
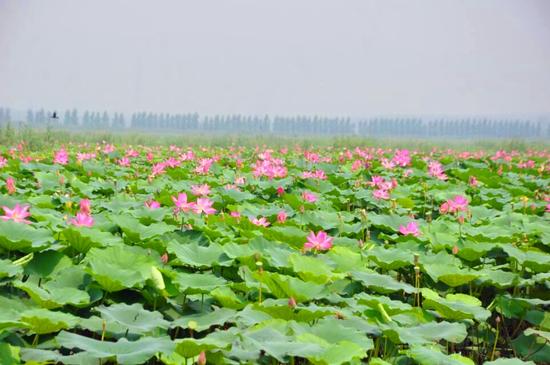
161, 285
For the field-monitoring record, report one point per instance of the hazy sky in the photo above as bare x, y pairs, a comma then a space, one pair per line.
354, 57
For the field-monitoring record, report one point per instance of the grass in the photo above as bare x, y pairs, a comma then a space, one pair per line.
37, 139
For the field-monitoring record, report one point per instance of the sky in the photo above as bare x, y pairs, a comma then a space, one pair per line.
316, 57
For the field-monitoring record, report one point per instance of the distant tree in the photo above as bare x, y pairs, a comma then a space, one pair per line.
30, 116
74, 117
67, 118
105, 120
86, 119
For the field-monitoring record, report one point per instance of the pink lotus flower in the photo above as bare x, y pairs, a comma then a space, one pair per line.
182, 204
317, 174
204, 166
381, 194
435, 169
158, 169
204, 205
124, 162
309, 197
402, 158
200, 190
82, 220
130, 152
17, 214
281, 216
260, 222
319, 242
108, 148
235, 214
280, 191
84, 156
547, 208
356, 165
152, 204
387, 164
85, 206
3, 161
458, 204
10, 185
473, 181
376, 181
61, 157
410, 229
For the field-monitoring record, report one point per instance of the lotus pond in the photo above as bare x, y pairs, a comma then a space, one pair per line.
173, 255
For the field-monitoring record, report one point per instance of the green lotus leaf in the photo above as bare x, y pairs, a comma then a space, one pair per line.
189, 347
451, 275
206, 320
84, 238
9, 355
194, 255
431, 356
455, 306
381, 283
133, 317
23, 237
8, 269
426, 333
504, 361
122, 351
311, 269
42, 321
120, 267
284, 286
195, 283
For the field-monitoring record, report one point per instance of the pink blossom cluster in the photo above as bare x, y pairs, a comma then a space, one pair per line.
61, 157
410, 229
402, 158
270, 168
18, 214
382, 187
457, 204
83, 217
320, 241
316, 174
435, 169
204, 166
202, 205
83, 156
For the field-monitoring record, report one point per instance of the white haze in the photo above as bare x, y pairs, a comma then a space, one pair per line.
352, 57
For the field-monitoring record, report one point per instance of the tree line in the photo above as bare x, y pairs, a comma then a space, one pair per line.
473, 127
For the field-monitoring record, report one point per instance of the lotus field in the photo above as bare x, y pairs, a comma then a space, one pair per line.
238, 255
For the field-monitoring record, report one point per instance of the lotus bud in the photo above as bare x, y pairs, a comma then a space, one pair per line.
201, 360
156, 276
292, 302
455, 249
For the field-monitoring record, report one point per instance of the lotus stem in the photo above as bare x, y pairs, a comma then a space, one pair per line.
496, 338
